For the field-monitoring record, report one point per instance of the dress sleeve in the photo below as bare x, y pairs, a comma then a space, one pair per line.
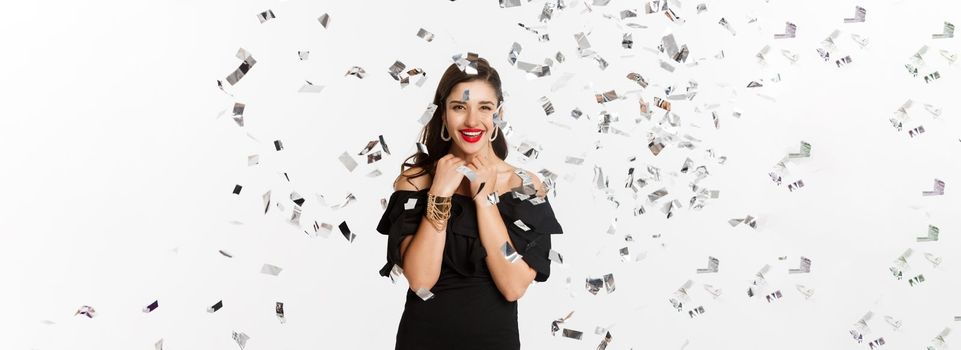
401, 217
530, 227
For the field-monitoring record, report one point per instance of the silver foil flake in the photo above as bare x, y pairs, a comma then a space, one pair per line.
470, 174
411, 202
270, 269
570, 333
345, 231
357, 72
151, 307
554, 256
424, 294
304, 55
803, 153
245, 66
239, 113
279, 310
216, 306
790, 30
424, 34
310, 87
509, 253
86, 311
859, 14
265, 16
805, 266
347, 161
947, 32
324, 20
932, 236
937, 191
594, 285
712, 265
241, 339
609, 283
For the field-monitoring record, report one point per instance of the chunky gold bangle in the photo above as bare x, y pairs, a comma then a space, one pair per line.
438, 210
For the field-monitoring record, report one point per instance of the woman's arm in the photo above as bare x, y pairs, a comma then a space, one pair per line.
511, 279
422, 252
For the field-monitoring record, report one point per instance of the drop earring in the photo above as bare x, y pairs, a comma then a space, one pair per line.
495, 134
443, 128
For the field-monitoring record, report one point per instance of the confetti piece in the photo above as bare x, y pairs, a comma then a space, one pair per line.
279, 310
937, 191
947, 32
609, 283
244, 67
594, 285
712, 265
238, 112
151, 307
270, 269
773, 296
470, 174
570, 333
309, 87
554, 256
356, 71
86, 311
241, 339
266, 199
324, 20
509, 253
424, 34
347, 161
265, 16
225, 253
213, 308
790, 30
304, 55
804, 153
804, 268
424, 294
237, 189
344, 230
547, 106
933, 232
859, 13
509, 3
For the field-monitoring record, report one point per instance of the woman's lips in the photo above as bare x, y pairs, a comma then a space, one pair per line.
471, 139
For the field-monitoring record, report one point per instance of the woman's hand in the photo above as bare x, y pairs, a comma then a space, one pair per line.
486, 171
446, 177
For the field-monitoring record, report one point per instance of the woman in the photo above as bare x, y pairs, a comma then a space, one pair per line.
456, 240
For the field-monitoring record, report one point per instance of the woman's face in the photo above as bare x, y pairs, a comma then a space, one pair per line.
470, 123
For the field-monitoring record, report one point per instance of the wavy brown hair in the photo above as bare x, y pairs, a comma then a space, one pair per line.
430, 134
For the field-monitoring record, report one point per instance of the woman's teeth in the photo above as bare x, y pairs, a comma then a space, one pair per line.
471, 134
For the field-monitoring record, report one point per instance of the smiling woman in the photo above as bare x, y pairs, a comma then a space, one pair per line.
468, 231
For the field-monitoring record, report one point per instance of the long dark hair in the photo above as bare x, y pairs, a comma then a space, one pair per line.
430, 134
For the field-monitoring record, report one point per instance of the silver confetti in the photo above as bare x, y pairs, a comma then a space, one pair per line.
509, 253
424, 294
270, 269
241, 339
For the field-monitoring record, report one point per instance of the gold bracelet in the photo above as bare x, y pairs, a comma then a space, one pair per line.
438, 210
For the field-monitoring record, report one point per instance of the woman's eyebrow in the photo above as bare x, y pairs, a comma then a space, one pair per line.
462, 102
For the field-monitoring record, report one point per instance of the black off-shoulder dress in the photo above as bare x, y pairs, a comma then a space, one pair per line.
467, 311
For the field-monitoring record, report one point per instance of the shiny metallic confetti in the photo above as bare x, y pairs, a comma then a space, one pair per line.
554, 256
805, 291
932, 236
804, 268
238, 113
309, 87
253, 159
509, 3
594, 285
151, 307
345, 231
947, 32
470, 174
773, 296
424, 34
245, 66
225, 253
324, 20
270, 269
278, 145
304, 55
727, 25
357, 72
712, 265
216, 306
265, 16
859, 14
790, 30
465, 96
424, 294
237, 189
347, 161
609, 283
803, 153
86, 311
937, 191
570, 333
241, 339
279, 310
521, 225
748, 220
509, 253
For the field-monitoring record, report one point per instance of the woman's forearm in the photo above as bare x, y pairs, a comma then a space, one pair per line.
422, 257
511, 279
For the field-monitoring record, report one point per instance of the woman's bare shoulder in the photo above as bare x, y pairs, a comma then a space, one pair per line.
405, 181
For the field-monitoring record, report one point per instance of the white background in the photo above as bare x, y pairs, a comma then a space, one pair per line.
119, 162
